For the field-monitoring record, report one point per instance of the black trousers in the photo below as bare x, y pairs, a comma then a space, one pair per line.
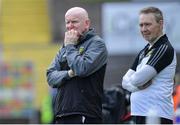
142, 120
77, 119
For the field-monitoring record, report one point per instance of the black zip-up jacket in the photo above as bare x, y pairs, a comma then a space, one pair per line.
83, 93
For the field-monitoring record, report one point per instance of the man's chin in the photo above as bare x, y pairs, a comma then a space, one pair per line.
146, 38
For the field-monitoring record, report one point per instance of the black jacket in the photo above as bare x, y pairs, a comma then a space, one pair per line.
83, 93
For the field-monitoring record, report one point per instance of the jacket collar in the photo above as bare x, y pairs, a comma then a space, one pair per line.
87, 35
160, 41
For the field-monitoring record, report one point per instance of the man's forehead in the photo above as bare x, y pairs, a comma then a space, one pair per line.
73, 13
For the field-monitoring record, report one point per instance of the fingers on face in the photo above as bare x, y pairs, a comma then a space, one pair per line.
72, 32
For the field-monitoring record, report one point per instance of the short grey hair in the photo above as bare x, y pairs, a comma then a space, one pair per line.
155, 11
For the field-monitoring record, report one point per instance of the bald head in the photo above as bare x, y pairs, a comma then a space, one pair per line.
77, 11
77, 19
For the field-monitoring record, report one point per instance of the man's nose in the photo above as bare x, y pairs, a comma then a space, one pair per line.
143, 28
70, 26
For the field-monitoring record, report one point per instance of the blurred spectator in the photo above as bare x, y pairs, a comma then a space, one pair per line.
47, 114
176, 93
116, 106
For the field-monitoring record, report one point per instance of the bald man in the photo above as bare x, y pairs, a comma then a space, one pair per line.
77, 71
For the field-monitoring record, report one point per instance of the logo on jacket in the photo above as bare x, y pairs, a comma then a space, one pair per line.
150, 53
81, 50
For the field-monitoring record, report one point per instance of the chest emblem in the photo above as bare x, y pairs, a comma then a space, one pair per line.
81, 50
149, 53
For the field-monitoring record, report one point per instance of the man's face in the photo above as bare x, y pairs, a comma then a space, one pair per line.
76, 22
149, 28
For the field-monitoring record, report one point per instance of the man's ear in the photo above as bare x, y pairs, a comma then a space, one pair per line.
161, 22
88, 23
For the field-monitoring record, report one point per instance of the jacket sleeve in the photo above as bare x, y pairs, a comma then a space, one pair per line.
126, 82
93, 58
56, 76
139, 78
